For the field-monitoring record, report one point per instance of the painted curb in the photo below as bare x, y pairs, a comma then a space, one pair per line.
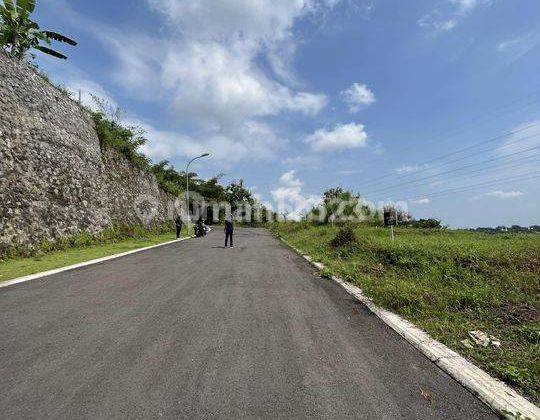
497, 395
37, 276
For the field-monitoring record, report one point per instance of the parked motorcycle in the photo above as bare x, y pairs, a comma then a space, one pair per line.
200, 230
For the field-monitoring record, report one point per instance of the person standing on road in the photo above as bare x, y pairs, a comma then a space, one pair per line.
178, 224
229, 229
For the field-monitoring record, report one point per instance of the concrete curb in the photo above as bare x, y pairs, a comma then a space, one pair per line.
497, 395
83, 264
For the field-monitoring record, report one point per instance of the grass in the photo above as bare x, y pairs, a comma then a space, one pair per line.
18, 267
448, 283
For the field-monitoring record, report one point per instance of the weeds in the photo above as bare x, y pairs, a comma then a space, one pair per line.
345, 237
126, 140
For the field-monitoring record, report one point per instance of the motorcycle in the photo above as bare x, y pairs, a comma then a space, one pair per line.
200, 230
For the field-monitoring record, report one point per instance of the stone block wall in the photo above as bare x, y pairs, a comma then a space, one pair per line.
55, 181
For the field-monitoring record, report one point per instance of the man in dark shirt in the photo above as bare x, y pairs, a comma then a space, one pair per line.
178, 224
229, 229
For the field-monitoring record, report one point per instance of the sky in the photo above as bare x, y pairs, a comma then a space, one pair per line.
432, 104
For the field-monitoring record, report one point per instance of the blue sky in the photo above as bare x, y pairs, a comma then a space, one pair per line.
435, 104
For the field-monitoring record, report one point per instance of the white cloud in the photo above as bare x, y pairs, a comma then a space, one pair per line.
78, 84
264, 21
349, 171
219, 84
212, 66
289, 180
516, 159
341, 137
466, 5
139, 59
302, 160
445, 19
505, 194
512, 49
525, 136
248, 140
290, 199
252, 140
420, 201
436, 22
136, 57
211, 69
407, 169
206, 65
358, 97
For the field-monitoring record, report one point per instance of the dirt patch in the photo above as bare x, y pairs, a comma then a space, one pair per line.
516, 314
532, 264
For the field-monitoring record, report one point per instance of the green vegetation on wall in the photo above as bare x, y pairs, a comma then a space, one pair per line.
128, 141
125, 140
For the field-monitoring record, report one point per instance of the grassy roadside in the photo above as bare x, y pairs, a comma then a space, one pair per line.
18, 267
448, 283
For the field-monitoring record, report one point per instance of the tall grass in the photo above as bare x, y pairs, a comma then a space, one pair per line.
116, 233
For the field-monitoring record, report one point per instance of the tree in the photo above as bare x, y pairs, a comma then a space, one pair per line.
19, 33
236, 194
340, 205
426, 223
403, 217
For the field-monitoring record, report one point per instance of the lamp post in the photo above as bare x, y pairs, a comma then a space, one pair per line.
187, 186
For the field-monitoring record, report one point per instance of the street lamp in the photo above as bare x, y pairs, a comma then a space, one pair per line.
187, 186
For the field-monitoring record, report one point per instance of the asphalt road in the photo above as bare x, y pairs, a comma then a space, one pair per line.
194, 330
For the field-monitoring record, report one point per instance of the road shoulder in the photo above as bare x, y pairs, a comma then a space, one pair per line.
48, 273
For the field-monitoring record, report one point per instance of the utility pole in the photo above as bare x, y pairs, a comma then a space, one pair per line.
392, 226
187, 188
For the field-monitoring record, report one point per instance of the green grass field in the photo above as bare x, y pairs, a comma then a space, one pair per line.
448, 283
18, 267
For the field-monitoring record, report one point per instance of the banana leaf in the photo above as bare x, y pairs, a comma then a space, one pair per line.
27, 5
8, 4
58, 37
51, 52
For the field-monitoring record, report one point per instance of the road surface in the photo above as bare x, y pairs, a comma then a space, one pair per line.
194, 330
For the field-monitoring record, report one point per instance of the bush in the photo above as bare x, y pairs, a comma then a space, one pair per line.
344, 237
126, 140
426, 224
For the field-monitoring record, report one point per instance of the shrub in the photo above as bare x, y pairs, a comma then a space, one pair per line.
530, 333
426, 224
344, 237
126, 140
